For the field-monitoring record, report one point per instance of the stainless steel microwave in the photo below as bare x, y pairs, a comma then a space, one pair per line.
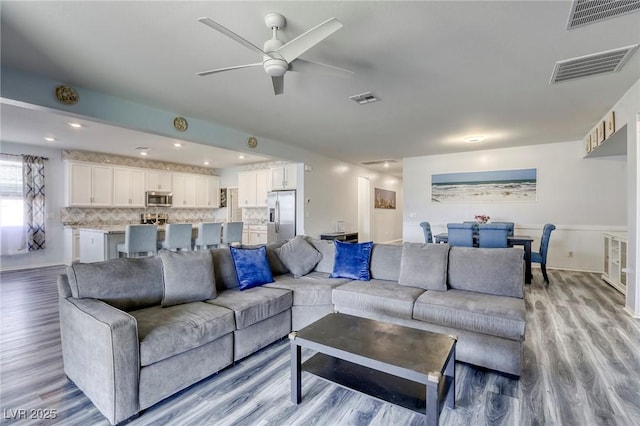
159, 199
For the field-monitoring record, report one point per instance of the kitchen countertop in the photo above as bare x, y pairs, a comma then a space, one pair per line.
116, 229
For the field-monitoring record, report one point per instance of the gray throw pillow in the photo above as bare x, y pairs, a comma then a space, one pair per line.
298, 256
424, 266
188, 277
328, 251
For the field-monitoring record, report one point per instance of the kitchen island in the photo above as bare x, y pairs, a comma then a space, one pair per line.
100, 242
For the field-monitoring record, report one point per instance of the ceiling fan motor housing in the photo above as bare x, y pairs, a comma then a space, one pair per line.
274, 66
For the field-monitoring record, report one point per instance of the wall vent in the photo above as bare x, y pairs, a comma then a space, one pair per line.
364, 98
584, 12
590, 65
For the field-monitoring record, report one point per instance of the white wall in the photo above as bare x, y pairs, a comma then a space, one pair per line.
53, 254
582, 197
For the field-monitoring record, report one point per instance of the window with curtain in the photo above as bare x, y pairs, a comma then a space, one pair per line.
22, 203
11, 195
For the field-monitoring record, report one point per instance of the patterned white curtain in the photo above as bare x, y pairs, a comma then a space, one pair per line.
34, 201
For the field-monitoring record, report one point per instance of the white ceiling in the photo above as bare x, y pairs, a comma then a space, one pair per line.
443, 70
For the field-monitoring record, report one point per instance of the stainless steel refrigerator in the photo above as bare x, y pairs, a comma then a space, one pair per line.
282, 215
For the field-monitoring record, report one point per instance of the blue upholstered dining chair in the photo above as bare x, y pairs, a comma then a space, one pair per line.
492, 235
460, 234
177, 236
474, 224
139, 239
426, 228
541, 256
510, 227
209, 235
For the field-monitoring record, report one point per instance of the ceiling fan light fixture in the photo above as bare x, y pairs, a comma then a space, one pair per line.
275, 67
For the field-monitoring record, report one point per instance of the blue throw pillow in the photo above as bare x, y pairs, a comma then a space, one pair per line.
352, 260
252, 266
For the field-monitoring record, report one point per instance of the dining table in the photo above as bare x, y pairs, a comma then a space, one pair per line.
512, 240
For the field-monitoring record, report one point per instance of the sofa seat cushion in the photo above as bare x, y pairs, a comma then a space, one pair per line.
499, 316
164, 332
253, 305
378, 296
311, 290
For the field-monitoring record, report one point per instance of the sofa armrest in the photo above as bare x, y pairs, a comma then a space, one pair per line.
101, 355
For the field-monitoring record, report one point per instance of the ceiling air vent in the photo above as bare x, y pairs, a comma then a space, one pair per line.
584, 12
364, 98
590, 65
378, 162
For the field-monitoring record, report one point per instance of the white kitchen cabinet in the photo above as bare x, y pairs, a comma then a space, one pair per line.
128, 187
257, 234
207, 191
253, 187
615, 260
184, 190
158, 180
284, 177
71, 245
88, 185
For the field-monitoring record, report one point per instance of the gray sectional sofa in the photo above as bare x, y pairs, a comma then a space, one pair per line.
131, 327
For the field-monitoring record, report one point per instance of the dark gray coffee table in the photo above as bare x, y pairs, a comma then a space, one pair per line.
408, 367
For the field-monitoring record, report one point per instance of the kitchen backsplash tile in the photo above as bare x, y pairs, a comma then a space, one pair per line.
74, 216
254, 214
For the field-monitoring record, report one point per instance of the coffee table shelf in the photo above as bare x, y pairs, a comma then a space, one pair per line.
411, 368
385, 387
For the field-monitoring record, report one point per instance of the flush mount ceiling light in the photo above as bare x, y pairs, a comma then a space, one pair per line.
48, 139
474, 139
75, 125
177, 144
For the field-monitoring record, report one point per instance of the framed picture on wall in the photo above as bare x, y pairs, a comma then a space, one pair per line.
594, 138
384, 199
611, 124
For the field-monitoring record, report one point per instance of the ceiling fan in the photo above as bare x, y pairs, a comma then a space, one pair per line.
279, 57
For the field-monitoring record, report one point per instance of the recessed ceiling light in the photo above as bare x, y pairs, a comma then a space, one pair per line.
386, 164
75, 125
144, 153
48, 139
241, 157
474, 139
206, 163
177, 144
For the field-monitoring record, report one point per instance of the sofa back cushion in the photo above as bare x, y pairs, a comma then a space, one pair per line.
224, 269
298, 256
424, 266
127, 284
498, 271
385, 262
188, 277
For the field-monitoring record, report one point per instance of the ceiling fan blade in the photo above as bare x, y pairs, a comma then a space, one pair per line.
306, 41
203, 73
316, 67
213, 24
278, 85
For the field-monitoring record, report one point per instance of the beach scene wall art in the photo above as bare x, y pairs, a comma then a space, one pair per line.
498, 185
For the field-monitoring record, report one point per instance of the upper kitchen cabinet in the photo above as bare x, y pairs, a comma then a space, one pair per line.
128, 187
184, 190
158, 180
207, 191
283, 177
253, 187
88, 185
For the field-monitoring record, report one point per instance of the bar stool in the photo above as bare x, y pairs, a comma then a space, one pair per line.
177, 236
139, 239
232, 233
208, 235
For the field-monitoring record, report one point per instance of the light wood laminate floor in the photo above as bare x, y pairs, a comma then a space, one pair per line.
582, 367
